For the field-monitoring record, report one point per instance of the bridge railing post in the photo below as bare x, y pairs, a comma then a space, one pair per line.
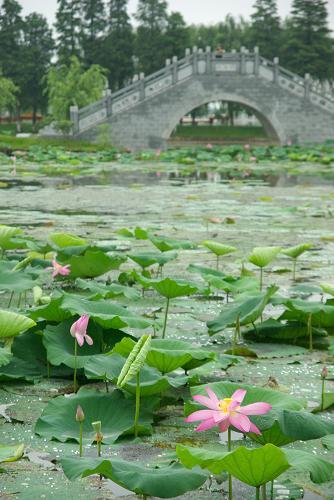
208, 57
243, 61
195, 60
276, 70
307, 85
107, 100
74, 117
187, 55
141, 86
175, 70
256, 61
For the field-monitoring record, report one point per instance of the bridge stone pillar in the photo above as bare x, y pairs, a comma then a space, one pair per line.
141, 86
276, 69
243, 61
208, 57
187, 56
256, 61
175, 70
168, 62
74, 117
195, 60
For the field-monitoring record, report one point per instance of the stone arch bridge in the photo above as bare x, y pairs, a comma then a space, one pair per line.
144, 114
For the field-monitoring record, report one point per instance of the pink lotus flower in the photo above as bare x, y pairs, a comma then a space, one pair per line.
209, 146
227, 412
79, 331
247, 147
59, 269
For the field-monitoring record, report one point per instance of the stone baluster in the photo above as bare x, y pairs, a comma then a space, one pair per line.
141, 86
195, 60
307, 85
276, 70
175, 74
256, 61
168, 63
208, 57
243, 61
74, 117
107, 100
187, 55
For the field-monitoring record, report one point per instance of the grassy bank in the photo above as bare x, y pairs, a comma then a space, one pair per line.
11, 143
207, 132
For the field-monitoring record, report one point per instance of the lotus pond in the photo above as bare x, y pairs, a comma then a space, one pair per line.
139, 289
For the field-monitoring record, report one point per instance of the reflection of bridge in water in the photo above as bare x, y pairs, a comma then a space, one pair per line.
144, 114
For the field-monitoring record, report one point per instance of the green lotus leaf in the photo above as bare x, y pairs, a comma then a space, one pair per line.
168, 355
135, 360
253, 467
165, 244
101, 290
295, 252
114, 410
93, 263
300, 310
5, 356
148, 259
103, 312
163, 482
320, 470
6, 235
171, 288
59, 345
63, 240
327, 288
328, 402
207, 271
51, 311
12, 324
274, 330
219, 248
247, 312
15, 281
262, 256
11, 453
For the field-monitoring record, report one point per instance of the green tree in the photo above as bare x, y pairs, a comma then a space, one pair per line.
69, 29
177, 37
150, 42
7, 94
94, 24
118, 45
308, 47
38, 50
265, 29
73, 86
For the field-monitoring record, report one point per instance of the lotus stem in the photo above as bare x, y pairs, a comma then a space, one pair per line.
261, 278
257, 494
48, 368
137, 404
10, 300
75, 365
294, 264
166, 316
229, 447
309, 332
272, 490
322, 394
106, 383
80, 438
19, 301
264, 492
217, 262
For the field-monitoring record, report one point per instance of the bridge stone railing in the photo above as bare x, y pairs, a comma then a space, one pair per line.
198, 62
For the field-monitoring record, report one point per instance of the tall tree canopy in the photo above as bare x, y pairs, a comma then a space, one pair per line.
11, 26
93, 28
265, 29
69, 29
177, 36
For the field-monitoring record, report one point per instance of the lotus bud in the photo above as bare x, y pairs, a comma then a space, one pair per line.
80, 416
324, 372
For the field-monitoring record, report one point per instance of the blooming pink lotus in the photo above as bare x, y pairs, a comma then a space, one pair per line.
79, 330
59, 269
227, 412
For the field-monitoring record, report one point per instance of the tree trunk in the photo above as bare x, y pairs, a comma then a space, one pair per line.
18, 119
34, 118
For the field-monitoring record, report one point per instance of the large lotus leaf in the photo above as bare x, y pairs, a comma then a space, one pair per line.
274, 330
171, 288
327, 288
114, 410
253, 467
29, 360
51, 311
320, 470
15, 281
300, 310
328, 402
168, 355
165, 244
207, 271
148, 259
296, 251
5, 356
103, 312
281, 427
247, 312
101, 290
11, 453
163, 482
328, 442
108, 367
12, 324
235, 285
262, 256
254, 394
62, 240
59, 345
93, 263
6, 235
219, 248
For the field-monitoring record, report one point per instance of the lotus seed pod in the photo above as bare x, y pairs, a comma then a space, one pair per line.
324, 372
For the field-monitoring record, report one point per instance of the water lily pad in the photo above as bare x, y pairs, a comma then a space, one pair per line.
114, 410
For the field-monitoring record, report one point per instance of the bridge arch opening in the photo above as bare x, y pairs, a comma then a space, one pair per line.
185, 112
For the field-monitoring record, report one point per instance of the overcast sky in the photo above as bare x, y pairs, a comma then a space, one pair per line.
194, 11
